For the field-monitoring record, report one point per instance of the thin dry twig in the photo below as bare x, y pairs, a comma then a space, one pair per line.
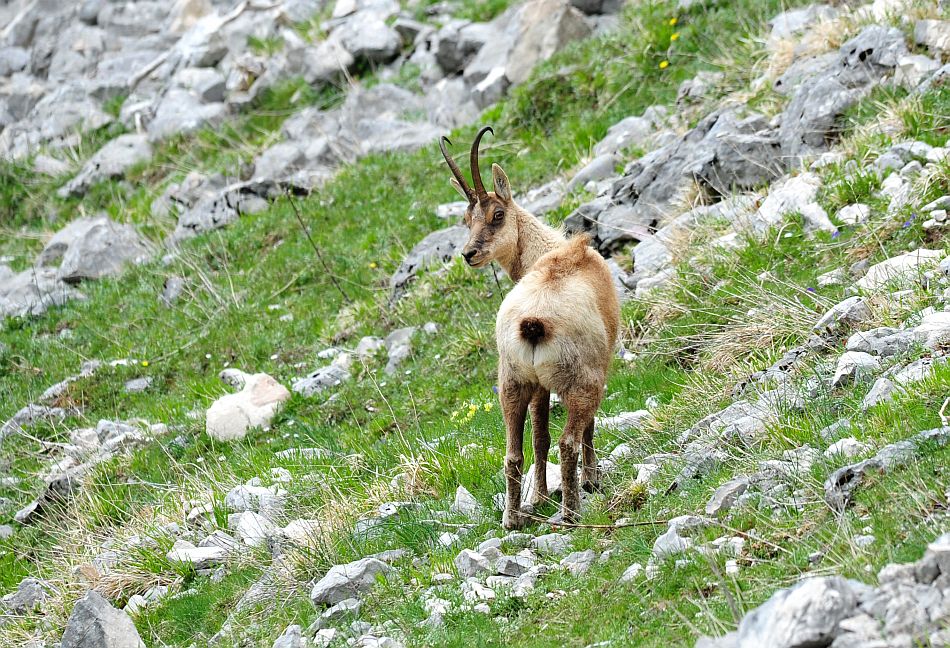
316, 249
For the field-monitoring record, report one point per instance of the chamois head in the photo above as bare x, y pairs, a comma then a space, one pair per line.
491, 216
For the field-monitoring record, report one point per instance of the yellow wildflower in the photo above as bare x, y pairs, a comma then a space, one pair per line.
372, 265
674, 36
144, 363
664, 65
673, 21
488, 406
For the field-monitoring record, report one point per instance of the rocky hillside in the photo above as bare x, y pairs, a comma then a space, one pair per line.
247, 389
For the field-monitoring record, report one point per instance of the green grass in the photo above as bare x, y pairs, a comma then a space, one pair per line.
693, 342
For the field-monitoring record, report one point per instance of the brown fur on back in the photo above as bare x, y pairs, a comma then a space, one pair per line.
576, 257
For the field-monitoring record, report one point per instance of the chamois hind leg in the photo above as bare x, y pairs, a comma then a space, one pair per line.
590, 476
541, 441
514, 405
581, 402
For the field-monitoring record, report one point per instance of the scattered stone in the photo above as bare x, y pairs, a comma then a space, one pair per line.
552, 544
514, 565
184, 552
92, 248
348, 581
439, 247
28, 598
599, 168
94, 623
849, 312
137, 385
250, 498
632, 573
579, 562
900, 270
324, 378
625, 421
465, 503
291, 638
553, 481
840, 485
847, 447
470, 563
853, 214
882, 341
111, 161
835, 430
541, 28
725, 496
854, 367
934, 34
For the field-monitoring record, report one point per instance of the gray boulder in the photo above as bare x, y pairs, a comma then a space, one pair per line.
348, 581
13, 59
795, 21
458, 42
182, 111
324, 378
29, 597
810, 120
538, 29
100, 249
32, 292
369, 39
111, 161
806, 614
725, 496
847, 312
94, 623
883, 341
597, 6
599, 168
398, 348
292, 637
933, 34
841, 484
326, 61
471, 563
628, 132
579, 562
437, 248
854, 367
723, 152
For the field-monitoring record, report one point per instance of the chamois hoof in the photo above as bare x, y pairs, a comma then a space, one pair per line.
514, 520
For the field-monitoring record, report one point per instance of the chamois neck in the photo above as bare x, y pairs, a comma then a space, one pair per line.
535, 239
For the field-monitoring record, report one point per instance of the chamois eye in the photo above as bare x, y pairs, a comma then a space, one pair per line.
499, 214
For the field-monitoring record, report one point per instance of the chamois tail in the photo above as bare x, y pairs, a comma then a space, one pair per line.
533, 330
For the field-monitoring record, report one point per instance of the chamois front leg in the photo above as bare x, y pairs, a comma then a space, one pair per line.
581, 403
541, 441
514, 406
590, 475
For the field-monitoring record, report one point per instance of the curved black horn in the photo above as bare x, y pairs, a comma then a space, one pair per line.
456, 171
476, 174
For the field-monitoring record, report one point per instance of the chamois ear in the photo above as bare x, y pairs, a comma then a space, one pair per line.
458, 188
502, 188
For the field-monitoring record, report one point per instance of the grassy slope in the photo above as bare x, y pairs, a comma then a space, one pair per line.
364, 221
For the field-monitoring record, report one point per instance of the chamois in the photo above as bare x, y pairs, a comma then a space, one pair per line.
555, 331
